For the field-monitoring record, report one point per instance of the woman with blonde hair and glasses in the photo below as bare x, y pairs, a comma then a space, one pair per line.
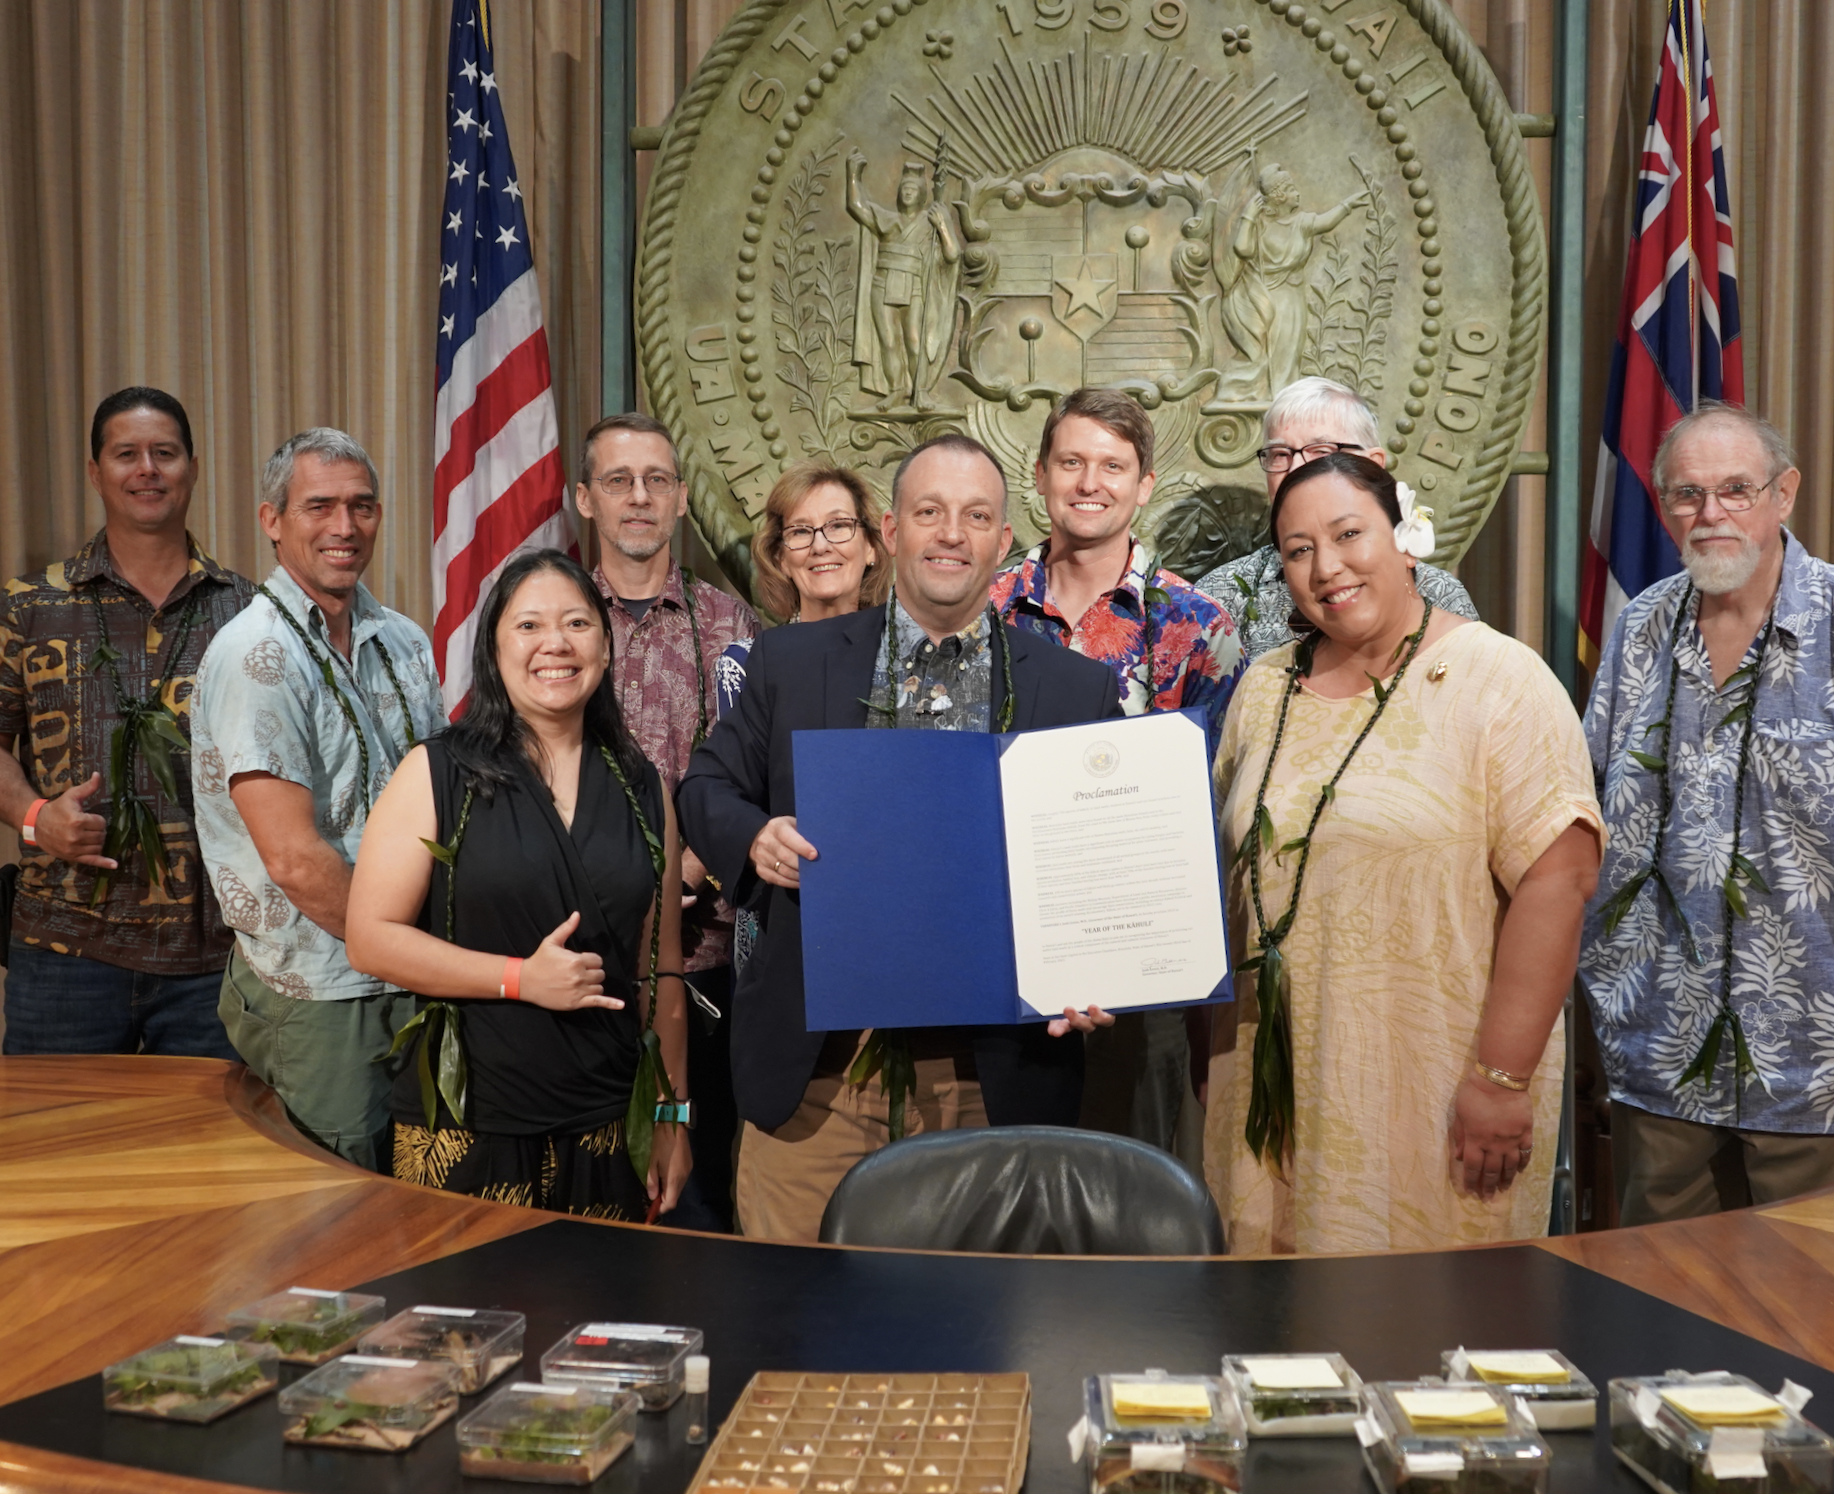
816, 553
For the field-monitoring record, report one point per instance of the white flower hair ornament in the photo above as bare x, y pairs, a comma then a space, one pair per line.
1414, 534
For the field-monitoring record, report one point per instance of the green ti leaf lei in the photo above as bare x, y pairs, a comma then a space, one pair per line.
329, 675
887, 1053
1271, 1107
1740, 869
146, 728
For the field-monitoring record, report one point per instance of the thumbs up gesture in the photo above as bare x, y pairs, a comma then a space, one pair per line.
66, 829
562, 980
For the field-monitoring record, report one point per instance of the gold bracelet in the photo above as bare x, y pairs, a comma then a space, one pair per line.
1501, 1078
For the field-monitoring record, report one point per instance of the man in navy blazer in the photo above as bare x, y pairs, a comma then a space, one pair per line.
805, 1122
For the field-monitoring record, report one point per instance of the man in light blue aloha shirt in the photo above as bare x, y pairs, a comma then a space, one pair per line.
305, 703
1708, 951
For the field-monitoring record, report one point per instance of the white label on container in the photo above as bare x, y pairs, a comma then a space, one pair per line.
370, 1359
534, 1389
198, 1343
1158, 1457
308, 1292
1795, 1396
1435, 1465
1367, 1432
1458, 1367
447, 1312
1079, 1434
1736, 1452
1294, 1372
1646, 1404
631, 1330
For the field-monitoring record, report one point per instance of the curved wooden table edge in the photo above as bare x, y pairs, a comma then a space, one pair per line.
1767, 1272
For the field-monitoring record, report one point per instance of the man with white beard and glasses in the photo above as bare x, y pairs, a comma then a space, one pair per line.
1708, 950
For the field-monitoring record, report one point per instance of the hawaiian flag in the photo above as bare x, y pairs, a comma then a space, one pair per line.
498, 482
1678, 327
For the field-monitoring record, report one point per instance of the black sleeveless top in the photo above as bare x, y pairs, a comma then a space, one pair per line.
520, 873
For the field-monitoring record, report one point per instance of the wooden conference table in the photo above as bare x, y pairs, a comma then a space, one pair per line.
145, 1197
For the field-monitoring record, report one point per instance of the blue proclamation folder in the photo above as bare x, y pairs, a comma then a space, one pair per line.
906, 912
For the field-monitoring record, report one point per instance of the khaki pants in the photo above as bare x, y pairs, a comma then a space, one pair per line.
786, 1176
321, 1057
1678, 1169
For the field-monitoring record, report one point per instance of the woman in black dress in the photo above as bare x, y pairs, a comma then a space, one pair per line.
509, 875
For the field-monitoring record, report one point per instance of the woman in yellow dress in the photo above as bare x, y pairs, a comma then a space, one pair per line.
1412, 834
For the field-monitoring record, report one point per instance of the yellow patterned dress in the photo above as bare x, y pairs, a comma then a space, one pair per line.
1466, 780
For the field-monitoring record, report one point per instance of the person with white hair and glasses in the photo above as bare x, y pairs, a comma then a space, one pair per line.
305, 703
1309, 418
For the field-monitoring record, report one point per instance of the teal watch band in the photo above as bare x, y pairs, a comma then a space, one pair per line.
679, 1114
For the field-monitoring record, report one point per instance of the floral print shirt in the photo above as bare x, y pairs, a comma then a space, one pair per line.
1196, 654
262, 706
60, 708
1253, 591
669, 697
945, 686
1651, 1004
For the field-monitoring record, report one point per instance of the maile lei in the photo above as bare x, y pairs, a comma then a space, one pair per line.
1270, 1100
146, 727
1739, 867
440, 1019
888, 1053
323, 661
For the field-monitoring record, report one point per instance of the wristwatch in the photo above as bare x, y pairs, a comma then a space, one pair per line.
681, 1113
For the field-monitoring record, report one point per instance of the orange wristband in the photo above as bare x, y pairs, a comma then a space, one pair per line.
28, 828
511, 989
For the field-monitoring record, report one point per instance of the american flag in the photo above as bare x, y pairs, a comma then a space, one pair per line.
498, 482
1678, 326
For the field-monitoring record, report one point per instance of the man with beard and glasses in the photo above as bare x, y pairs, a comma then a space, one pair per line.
1708, 951
668, 632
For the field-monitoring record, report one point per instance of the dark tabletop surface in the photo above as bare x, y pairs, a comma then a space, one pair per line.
788, 1307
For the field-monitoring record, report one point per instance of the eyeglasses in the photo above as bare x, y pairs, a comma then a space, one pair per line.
1280, 458
1734, 497
835, 532
617, 484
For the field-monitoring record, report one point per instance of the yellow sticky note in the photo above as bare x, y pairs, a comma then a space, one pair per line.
1722, 1405
1294, 1373
1451, 1408
1533, 1368
1159, 1400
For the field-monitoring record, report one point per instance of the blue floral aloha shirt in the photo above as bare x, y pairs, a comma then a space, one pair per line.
1197, 656
1651, 1004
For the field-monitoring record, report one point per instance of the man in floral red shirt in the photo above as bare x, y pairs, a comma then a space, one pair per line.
668, 632
1094, 588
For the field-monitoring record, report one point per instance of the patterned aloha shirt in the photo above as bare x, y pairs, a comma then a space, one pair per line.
1651, 1005
60, 707
1263, 612
670, 700
262, 706
945, 686
1197, 657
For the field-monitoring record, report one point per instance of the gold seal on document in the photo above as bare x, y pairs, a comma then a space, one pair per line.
1101, 759
874, 223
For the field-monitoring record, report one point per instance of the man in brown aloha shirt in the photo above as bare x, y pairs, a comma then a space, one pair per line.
668, 633
111, 953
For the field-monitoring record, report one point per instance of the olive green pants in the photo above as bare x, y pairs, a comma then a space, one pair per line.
323, 1058
1678, 1169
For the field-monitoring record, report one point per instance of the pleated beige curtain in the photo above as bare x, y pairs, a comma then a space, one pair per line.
238, 201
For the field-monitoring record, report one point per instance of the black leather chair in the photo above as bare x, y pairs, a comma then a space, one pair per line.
1025, 1190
